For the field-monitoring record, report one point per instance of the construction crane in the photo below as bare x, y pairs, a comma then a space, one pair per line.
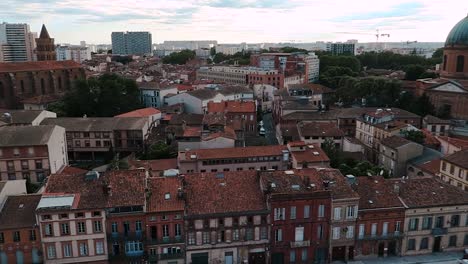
377, 34
411, 42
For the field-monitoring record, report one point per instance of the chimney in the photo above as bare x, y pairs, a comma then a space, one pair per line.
184, 124
396, 189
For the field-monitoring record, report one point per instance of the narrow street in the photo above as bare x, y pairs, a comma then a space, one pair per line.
270, 133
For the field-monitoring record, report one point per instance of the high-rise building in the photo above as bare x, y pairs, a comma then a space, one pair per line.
76, 53
131, 43
341, 48
16, 43
45, 46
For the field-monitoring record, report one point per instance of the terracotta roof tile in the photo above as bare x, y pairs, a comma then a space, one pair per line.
460, 143
337, 183
227, 192
305, 181
395, 142
37, 66
127, 187
69, 170
154, 165
459, 158
19, 211
159, 201
432, 166
231, 107
144, 112
376, 192
435, 120
320, 129
311, 153
240, 152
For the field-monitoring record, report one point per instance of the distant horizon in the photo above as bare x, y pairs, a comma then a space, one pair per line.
251, 21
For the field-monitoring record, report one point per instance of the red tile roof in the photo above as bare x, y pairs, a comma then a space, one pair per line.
227, 133
432, 166
192, 131
337, 183
231, 107
306, 181
69, 170
227, 192
144, 112
375, 192
429, 139
19, 212
38, 66
459, 158
459, 143
311, 153
127, 187
159, 187
320, 129
241, 152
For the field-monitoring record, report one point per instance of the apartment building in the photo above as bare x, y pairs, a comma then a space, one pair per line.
319, 132
345, 206
241, 112
93, 138
454, 169
437, 126
229, 223
72, 220
164, 219
395, 152
435, 216
20, 241
233, 159
16, 43
307, 155
300, 209
152, 114
241, 75
32, 152
381, 215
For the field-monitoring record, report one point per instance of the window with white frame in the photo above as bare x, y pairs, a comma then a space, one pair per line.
336, 233
321, 210
361, 230
337, 213
51, 253
97, 226
99, 247
278, 235
299, 234
306, 211
83, 248
385, 229
279, 214
235, 234
351, 212
350, 232
81, 227
374, 229
293, 212
67, 250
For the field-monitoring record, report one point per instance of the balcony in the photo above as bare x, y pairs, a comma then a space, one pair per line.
137, 235
395, 235
297, 244
166, 240
438, 231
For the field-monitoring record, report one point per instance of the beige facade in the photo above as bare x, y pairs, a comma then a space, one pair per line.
424, 238
394, 159
454, 174
342, 228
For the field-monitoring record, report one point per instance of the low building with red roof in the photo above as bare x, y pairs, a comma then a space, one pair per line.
450, 145
318, 132
154, 115
226, 218
307, 155
243, 111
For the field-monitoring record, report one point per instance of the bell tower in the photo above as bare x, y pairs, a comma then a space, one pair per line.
45, 50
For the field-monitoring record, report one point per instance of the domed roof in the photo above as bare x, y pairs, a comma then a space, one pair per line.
459, 34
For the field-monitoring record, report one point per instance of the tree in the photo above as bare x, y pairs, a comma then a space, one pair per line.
180, 57
414, 71
160, 150
288, 49
332, 152
117, 164
350, 62
390, 60
415, 136
105, 96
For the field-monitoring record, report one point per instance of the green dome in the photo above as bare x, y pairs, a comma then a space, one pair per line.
459, 34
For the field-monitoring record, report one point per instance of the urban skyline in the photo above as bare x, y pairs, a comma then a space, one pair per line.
241, 21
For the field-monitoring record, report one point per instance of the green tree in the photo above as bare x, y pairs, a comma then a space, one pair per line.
414, 71
415, 136
288, 49
340, 61
390, 60
117, 164
332, 152
180, 57
105, 96
160, 150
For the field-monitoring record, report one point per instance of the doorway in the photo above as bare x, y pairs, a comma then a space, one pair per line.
381, 251
436, 247
277, 258
392, 248
338, 253
257, 258
200, 258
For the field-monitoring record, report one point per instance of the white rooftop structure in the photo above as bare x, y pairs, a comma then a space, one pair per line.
56, 201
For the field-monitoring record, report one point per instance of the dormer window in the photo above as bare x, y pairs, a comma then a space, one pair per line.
167, 196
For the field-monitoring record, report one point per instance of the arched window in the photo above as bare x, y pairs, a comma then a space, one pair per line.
42, 86
460, 63
445, 63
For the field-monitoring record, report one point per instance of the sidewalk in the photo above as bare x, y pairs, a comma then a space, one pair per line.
445, 257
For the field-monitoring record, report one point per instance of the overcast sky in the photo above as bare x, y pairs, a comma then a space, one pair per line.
234, 21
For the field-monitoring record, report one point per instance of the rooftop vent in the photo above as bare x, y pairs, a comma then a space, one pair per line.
193, 156
312, 185
289, 172
371, 202
310, 146
21, 206
316, 153
295, 187
219, 175
273, 185
167, 196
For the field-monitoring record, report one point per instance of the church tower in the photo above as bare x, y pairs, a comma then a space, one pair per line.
45, 50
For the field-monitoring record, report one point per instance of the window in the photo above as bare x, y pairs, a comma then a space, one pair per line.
235, 235
350, 232
319, 232
51, 254
63, 216
337, 213
306, 211
439, 222
460, 63
65, 229
351, 212
374, 229
452, 169
48, 229
67, 250
99, 247
81, 227
304, 255
249, 234
413, 224
292, 255
424, 243
79, 215
293, 212
38, 164
206, 237
452, 241
32, 235
427, 223
16, 236
2, 238
361, 230
336, 233
278, 235
83, 248
178, 230
263, 232
444, 166
114, 227
465, 240
279, 214
165, 231
98, 143
321, 210
411, 244
299, 234
97, 226
126, 225
455, 221
138, 225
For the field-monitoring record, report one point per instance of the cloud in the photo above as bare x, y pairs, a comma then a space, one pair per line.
239, 20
